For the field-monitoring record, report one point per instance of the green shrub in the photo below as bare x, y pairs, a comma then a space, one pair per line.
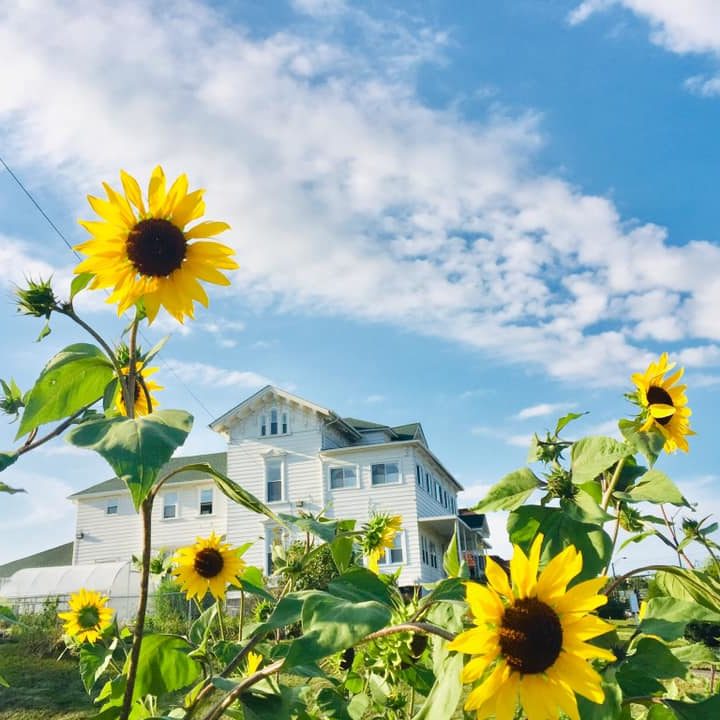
169, 609
40, 633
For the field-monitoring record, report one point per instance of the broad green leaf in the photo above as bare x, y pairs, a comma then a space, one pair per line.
341, 549
326, 530
164, 665
667, 617
231, 489
650, 445
287, 612
593, 455
560, 530
7, 615
639, 674
332, 705
450, 589
703, 710
75, 377
565, 420
511, 492
360, 584
584, 508
136, 449
79, 283
689, 585
696, 654
93, 662
155, 349
358, 706
262, 703
331, 624
445, 695
660, 712
636, 538
251, 581
200, 629
655, 486
451, 559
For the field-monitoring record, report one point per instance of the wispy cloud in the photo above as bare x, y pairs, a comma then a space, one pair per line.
211, 375
542, 410
444, 217
374, 399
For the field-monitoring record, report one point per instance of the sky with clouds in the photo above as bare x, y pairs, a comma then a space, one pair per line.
475, 215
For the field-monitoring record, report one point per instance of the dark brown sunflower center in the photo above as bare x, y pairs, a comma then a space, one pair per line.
208, 563
88, 617
530, 636
156, 247
660, 396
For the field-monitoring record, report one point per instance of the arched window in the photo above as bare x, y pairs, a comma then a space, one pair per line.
273, 422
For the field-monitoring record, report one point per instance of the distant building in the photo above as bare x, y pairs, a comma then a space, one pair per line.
295, 456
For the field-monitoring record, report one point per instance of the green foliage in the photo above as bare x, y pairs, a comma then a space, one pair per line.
39, 633
169, 609
136, 449
615, 609
308, 571
511, 492
707, 633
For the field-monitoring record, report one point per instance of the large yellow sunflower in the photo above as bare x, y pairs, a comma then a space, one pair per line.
380, 534
88, 615
529, 639
209, 564
144, 252
664, 403
141, 401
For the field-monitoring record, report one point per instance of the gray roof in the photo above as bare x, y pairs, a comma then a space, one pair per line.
216, 460
397, 432
60, 555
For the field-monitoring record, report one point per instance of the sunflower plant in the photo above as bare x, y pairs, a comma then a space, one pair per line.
521, 641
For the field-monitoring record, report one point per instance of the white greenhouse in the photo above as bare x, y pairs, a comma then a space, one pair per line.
28, 589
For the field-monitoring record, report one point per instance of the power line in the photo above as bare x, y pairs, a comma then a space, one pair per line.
59, 233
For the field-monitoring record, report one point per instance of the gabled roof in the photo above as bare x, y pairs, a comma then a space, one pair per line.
60, 555
217, 460
246, 406
410, 431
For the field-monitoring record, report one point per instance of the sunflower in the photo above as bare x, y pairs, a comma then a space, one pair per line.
209, 564
88, 615
141, 401
380, 534
529, 640
664, 403
143, 252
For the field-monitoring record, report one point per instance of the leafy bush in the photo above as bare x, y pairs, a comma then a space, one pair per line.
615, 609
169, 609
708, 633
40, 633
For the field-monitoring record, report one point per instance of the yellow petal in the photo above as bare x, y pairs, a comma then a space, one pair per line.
156, 191
558, 573
132, 191
497, 578
582, 597
206, 229
485, 604
488, 688
188, 209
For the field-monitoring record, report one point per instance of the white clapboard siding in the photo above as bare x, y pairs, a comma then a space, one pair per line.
100, 537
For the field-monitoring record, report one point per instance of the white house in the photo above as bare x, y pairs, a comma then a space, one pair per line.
295, 456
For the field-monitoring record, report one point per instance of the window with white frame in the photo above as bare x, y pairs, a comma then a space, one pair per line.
419, 475
385, 474
433, 555
112, 506
274, 479
428, 482
343, 477
284, 425
263, 424
424, 548
274, 536
395, 554
170, 506
438, 492
206, 501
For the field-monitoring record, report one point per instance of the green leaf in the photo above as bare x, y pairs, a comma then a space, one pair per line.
584, 508
231, 489
287, 612
326, 530
93, 662
4, 682
332, 705
331, 625
341, 549
667, 617
703, 710
262, 704
652, 660
358, 706
655, 486
10, 490
593, 455
565, 420
650, 445
155, 349
690, 585
445, 695
660, 712
360, 584
451, 558
200, 629
46, 330
164, 665
251, 581
136, 449
695, 654
511, 492
560, 530
79, 283
450, 589
75, 377
609, 709
7, 615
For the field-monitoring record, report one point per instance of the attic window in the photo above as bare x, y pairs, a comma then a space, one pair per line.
112, 507
277, 421
263, 425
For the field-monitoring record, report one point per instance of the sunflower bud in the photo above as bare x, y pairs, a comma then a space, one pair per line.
37, 299
560, 484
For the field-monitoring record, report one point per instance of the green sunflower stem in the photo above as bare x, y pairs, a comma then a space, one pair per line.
146, 510
607, 496
131, 385
69, 311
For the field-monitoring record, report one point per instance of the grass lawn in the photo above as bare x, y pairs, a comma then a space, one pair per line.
41, 688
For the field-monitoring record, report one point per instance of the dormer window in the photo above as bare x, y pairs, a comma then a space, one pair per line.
273, 422
263, 425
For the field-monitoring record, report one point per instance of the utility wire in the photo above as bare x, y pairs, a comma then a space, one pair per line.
59, 233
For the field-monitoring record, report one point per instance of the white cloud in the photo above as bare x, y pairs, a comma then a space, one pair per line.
210, 375
342, 187
541, 410
374, 399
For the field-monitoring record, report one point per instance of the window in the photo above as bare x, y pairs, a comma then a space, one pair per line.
385, 474
170, 506
433, 554
343, 477
273, 422
112, 507
206, 501
419, 475
428, 482
284, 423
263, 425
275, 538
273, 479
445, 498
424, 549
394, 555
438, 492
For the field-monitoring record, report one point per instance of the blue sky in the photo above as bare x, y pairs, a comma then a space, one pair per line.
474, 215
